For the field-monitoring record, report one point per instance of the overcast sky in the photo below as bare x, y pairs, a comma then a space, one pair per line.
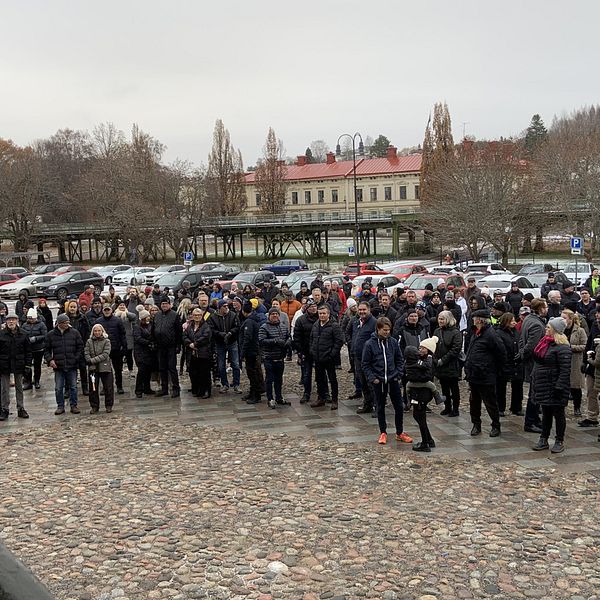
309, 69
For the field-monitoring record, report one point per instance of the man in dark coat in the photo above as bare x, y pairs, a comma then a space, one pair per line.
361, 329
301, 342
118, 342
514, 298
63, 353
144, 352
225, 326
250, 351
551, 284
485, 359
168, 335
15, 357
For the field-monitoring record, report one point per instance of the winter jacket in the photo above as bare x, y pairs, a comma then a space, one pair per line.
382, 359
302, 331
532, 331
274, 340
455, 309
65, 349
587, 311
577, 341
268, 294
36, 333
346, 325
201, 338
334, 305
361, 333
46, 315
514, 300
513, 368
249, 347
167, 329
447, 351
15, 351
326, 342
82, 325
144, 346
92, 316
116, 332
128, 323
410, 335
97, 354
418, 369
470, 326
225, 328
468, 292
485, 358
551, 375
290, 307
548, 287
592, 284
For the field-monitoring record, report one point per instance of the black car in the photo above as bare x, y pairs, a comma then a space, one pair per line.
255, 278
62, 286
44, 269
174, 281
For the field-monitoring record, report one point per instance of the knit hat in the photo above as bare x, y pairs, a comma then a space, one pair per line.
421, 305
498, 293
12, 315
149, 301
558, 324
430, 343
222, 303
32, 313
165, 299
144, 314
528, 296
303, 284
485, 290
568, 284
274, 311
525, 310
429, 286
254, 302
441, 281
449, 296
351, 302
499, 306
62, 318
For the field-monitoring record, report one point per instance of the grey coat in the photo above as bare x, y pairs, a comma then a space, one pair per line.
128, 323
97, 354
532, 332
577, 341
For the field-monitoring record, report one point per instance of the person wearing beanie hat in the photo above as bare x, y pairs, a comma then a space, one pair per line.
250, 351
485, 358
551, 284
35, 329
15, 358
351, 302
429, 344
552, 376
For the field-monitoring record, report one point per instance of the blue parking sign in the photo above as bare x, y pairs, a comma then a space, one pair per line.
188, 256
576, 244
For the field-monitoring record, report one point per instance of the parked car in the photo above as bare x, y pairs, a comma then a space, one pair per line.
286, 266
26, 284
365, 269
446, 269
160, 271
70, 283
540, 278
489, 268
388, 281
227, 273
404, 271
535, 268
109, 271
174, 280
418, 282
16, 271
6, 278
577, 273
207, 266
50, 268
504, 282
295, 279
132, 276
67, 269
255, 278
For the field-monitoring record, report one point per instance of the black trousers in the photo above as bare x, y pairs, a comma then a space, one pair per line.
142, 379
451, 390
556, 413
381, 391
576, 397
38, 358
516, 395
167, 366
107, 385
367, 390
129, 359
255, 376
116, 358
420, 416
200, 376
487, 395
323, 373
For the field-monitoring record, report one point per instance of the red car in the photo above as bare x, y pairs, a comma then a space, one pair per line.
365, 269
404, 271
6, 278
417, 283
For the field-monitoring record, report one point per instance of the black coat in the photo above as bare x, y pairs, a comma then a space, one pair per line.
447, 351
144, 346
167, 329
201, 338
249, 335
302, 331
361, 334
418, 369
81, 323
15, 351
551, 376
36, 332
485, 358
513, 367
46, 314
326, 341
116, 332
410, 335
225, 328
66, 349
515, 301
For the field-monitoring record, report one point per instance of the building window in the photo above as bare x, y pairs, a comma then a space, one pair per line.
416, 192
294, 197
307, 199
334, 195
359, 194
387, 193
321, 216
373, 194
257, 199
321, 196
402, 192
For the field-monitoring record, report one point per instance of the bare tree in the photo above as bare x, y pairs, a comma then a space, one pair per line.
319, 149
270, 176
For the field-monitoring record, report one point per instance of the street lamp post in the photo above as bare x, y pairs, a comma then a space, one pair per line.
361, 152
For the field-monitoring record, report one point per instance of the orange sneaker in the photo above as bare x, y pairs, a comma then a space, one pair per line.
404, 438
383, 438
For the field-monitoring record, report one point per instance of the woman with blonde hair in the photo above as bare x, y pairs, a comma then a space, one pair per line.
184, 310
577, 340
128, 318
550, 381
97, 357
446, 363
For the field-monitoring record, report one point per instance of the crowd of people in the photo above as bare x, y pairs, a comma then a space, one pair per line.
398, 345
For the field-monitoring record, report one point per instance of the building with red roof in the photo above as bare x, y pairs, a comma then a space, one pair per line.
382, 184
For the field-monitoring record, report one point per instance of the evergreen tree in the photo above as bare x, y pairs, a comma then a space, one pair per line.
380, 146
309, 156
535, 134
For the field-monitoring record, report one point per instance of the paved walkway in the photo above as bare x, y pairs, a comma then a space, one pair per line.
229, 412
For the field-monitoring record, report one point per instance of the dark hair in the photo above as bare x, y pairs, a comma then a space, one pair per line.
537, 304
325, 307
506, 319
383, 322
363, 303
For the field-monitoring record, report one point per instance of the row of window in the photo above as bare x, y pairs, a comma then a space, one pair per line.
373, 195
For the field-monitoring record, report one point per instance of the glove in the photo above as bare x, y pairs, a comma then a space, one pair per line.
32, 339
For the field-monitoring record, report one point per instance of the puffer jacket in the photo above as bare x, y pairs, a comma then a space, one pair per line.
326, 342
36, 332
144, 346
485, 358
82, 325
382, 359
447, 351
418, 369
66, 349
551, 376
346, 326
302, 331
274, 340
168, 329
225, 328
201, 339
97, 354
249, 347
410, 335
532, 331
361, 333
116, 332
578, 341
15, 351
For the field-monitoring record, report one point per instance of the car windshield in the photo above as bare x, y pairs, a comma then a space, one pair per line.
420, 283
572, 267
498, 283
28, 279
170, 279
61, 278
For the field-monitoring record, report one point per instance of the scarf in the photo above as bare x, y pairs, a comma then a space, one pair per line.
542, 347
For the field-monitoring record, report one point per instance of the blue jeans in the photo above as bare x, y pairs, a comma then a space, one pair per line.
274, 378
68, 379
307, 371
234, 357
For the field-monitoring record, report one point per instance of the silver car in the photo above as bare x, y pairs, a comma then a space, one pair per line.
26, 284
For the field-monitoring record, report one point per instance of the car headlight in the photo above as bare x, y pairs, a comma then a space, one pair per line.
52, 287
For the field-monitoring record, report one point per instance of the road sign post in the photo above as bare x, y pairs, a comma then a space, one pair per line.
351, 251
576, 245
188, 259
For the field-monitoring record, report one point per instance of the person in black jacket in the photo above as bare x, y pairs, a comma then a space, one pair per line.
302, 331
250, 351
485, 358
514, 298
118, 342
513, 369
35, 330
326, 341
168, 333
197, 338
592, 412
274, 340
361, 328
15, 357
225, 329
45, 313
63, 353
446, 361
80, 322
144, 351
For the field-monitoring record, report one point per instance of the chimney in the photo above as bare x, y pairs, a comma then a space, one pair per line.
330, 158
392, 153
301, 160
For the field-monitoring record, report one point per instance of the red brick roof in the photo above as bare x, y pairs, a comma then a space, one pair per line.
342, 169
